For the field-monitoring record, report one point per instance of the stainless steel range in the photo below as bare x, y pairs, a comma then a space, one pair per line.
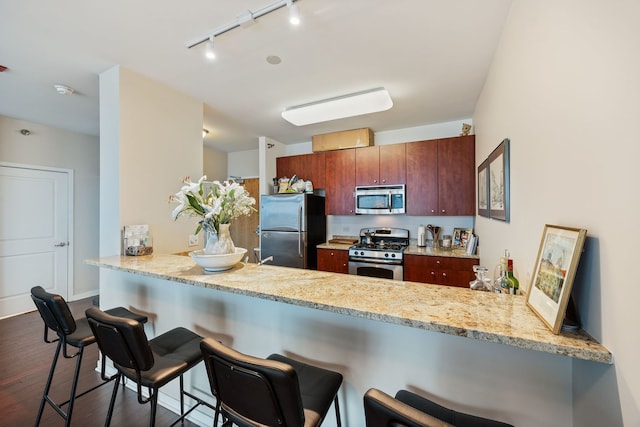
379, 253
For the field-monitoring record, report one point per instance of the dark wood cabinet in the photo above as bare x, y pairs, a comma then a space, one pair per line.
422, 170
305, 166
384, 164
334, 260
439, 270
456, 176
340, 181
442, 177
439, 174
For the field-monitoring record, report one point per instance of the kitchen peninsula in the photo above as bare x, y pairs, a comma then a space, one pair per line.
378, 333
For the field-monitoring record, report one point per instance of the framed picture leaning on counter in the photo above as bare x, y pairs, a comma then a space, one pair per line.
554, 271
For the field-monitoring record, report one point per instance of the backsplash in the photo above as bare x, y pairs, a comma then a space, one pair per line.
350, 225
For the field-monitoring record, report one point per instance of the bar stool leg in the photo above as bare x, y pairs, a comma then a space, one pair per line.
112, 403
47, 386
74, 386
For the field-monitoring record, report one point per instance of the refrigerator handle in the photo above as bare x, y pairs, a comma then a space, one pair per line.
300, 254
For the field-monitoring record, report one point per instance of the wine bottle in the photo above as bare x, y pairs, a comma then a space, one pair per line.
516, 283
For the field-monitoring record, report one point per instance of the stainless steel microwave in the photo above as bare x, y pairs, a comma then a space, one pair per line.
380, 199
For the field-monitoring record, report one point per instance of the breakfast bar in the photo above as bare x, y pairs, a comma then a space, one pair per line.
463, 347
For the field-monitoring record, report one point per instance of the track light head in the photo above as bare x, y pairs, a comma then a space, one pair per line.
294, 13
209, 52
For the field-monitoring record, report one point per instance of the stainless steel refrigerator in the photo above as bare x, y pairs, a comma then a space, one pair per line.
291, 226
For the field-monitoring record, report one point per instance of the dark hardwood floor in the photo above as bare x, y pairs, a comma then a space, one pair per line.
25, 360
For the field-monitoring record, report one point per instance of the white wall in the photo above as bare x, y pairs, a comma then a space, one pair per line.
215, 164
151, 139
244, 164
564, 88
53, 147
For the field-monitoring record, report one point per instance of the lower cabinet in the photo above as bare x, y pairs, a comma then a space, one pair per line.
334, 260
439, 270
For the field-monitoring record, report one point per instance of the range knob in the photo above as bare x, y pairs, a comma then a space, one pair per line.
361, 253
393, 255
386, 255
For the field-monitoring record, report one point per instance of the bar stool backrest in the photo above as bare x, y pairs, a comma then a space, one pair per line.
121, 340
253, 391
54, 312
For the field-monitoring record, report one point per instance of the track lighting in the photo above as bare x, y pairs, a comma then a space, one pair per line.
294, 13
209, 53
247, 18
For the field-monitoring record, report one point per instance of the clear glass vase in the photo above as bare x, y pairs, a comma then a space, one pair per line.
219, 243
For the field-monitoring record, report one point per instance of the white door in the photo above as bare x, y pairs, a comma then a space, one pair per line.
33, 235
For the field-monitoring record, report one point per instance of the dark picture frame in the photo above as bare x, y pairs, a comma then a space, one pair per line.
498, 175
483, 189
554, 271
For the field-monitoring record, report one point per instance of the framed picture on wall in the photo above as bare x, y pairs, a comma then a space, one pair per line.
483, 188
554, 271
499, 182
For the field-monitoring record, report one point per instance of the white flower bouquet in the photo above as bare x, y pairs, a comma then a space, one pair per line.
214, 202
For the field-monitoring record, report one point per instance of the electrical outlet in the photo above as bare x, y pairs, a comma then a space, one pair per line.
194, 240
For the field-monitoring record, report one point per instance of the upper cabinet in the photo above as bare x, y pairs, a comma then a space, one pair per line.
340, 181
442, 177
457, 176
380, 165
439, 174
305, 166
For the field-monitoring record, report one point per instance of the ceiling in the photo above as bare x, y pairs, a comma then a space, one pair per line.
432, 56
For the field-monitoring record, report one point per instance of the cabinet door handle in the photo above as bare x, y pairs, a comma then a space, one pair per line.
375, 181
444, 275
433, 211
443, 211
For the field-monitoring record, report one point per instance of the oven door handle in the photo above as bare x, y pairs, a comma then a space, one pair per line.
376, 261
390, 201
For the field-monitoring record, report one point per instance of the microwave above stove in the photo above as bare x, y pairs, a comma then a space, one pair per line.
380, 199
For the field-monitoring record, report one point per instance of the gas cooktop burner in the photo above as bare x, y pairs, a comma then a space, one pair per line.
380, 243
380, 246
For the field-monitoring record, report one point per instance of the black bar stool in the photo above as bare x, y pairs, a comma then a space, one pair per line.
71, 332
410, 410
150, 364
276, 391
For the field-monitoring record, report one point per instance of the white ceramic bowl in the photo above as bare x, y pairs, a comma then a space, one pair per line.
217, 262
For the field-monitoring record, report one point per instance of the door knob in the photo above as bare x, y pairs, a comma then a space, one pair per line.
61, 244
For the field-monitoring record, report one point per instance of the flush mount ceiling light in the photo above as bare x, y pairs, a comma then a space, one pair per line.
355, 104
63, 90
247, 18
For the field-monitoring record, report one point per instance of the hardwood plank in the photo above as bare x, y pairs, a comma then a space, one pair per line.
24, 365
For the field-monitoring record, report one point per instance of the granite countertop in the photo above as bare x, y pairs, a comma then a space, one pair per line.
484, 316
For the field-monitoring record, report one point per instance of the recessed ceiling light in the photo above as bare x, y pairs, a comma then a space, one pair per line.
63, 90
273, 59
